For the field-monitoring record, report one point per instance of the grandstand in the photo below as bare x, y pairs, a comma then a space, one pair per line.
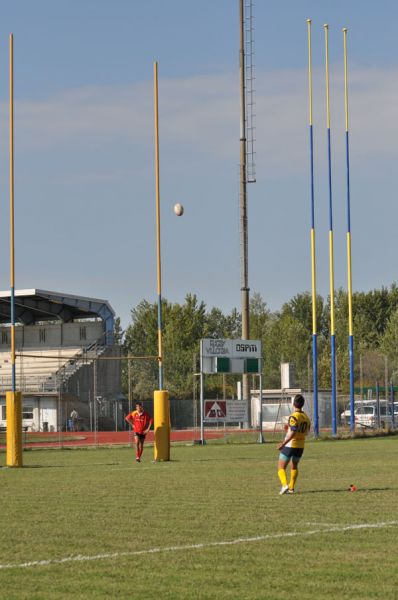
60, 339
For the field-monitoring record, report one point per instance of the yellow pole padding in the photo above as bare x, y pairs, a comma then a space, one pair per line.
14, 429
161, 424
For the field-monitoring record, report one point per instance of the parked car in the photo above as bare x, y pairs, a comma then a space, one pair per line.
365, 414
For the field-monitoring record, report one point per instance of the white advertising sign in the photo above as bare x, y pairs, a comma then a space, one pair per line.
231, 411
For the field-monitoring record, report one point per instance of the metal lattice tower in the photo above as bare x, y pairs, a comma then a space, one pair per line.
246, 165
249, 90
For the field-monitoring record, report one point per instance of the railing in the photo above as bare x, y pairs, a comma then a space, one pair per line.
30, 383
52, 382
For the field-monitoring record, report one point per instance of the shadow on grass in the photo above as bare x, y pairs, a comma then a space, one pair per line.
345, 490
112, 464
226, 459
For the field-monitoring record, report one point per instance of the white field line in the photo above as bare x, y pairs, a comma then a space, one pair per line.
260, 538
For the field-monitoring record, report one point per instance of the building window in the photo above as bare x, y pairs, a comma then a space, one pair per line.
27, 412
4, 337
42, 335
83, 333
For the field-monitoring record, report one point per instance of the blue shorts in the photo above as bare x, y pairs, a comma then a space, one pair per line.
291, 453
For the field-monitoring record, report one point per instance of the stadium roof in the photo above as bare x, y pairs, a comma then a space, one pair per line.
36, 305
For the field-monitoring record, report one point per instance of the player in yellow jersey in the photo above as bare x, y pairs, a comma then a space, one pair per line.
292, 446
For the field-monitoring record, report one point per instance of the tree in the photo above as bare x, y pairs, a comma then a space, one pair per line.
300, 307
141, 340
286, 337
389, 342
117, 332
184, 327
287, 340
259, 317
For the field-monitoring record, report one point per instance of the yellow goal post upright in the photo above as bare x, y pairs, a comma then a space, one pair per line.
13, 398
161, 403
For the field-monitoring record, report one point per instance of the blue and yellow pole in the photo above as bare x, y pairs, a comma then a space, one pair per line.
161, 397
13, 398
331, 249
313, 264
349, 271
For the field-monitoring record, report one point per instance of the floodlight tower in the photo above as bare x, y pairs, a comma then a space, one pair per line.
247, 163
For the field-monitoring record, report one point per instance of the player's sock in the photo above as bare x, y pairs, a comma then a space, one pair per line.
293, 478
282, 477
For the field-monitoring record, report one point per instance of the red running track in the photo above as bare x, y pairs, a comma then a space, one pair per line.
107, 438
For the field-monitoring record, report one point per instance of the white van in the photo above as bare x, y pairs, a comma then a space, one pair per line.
365, 414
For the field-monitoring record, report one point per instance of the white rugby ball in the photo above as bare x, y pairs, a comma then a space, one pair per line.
178, 209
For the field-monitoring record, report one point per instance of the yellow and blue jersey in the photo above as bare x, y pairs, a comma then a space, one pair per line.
300, 423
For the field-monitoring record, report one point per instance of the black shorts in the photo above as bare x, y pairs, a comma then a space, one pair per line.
140, 436
292, 453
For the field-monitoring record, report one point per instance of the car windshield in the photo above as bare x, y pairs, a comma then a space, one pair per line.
365, 410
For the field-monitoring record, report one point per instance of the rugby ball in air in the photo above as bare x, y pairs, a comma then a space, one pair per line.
178, 209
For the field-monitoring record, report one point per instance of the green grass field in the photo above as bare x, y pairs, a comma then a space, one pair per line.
69, 507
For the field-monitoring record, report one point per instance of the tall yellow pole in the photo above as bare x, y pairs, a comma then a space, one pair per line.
12, 241
313, 261
158, 248
13, 398
161, 397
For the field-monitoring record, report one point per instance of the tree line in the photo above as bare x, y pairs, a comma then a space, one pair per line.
286, 336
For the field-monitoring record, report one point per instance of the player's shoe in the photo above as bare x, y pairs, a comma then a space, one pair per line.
284, 490
137, 459
289, 491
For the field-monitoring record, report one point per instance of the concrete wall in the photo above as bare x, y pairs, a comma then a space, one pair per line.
52, 335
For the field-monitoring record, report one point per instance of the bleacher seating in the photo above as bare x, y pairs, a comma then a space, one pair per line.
38, 370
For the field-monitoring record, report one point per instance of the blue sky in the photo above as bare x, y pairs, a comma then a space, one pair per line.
84, 151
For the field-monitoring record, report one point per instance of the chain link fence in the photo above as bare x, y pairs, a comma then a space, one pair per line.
80, 397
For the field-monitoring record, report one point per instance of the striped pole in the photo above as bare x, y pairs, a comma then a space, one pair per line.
349, 271
313, 269
331, 251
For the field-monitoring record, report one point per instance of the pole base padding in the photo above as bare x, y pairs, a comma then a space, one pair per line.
161, 413
14, 429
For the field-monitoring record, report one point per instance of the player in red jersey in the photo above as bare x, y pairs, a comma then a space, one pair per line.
141, 422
